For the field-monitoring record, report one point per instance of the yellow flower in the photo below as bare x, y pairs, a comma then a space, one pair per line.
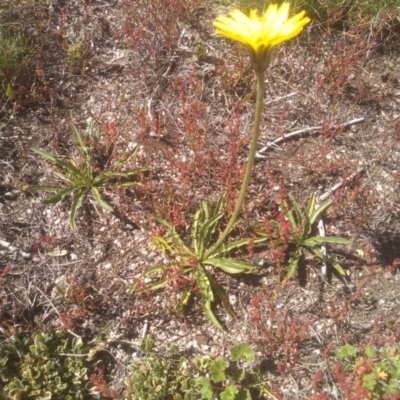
261, 33
382, 374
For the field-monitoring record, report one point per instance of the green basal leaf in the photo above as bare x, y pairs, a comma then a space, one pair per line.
157, 285
44, 188
79, 141
57, 160
160, 242
206, 233
311, 205
204, 284
219, 207
59, 196
155, 269
47, 155
221, 295
76, 173
195, 231
218, 211
329, 259
289, 214
205, 209
76, 203
126, 184
129, 155
325, 239
239, 243
230, 266
294, 262
275, 226
297, 209
99, 200
207, 296
114, 175
261, 232
183, 249
319, 210
183, 300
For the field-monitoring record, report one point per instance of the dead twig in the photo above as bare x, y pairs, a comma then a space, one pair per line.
312, 129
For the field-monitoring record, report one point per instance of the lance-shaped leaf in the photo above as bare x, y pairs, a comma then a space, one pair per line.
219, 209
205, 210
325, 239
289, 214
230, 266
330, 260
297, 209
237, 244
56, 160
155, 269
129, 155
195, 231
126, 184
220, 293
207, 296
79, 140
174, 236
59, 196
206, 233
116, 175
99, 200
76, 203
294, 262
184, 299
163, 244
46, 188
319, 210
311, 205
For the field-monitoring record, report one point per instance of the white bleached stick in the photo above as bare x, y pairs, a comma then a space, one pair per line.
280, 98
14, 249
299, 132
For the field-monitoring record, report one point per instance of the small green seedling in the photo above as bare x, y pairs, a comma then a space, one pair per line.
81, 176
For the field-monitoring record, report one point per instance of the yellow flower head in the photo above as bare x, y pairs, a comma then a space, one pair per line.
261, 33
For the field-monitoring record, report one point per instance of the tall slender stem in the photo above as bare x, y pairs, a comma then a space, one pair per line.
250, 163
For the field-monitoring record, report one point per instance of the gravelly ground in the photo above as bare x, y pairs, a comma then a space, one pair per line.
164, 93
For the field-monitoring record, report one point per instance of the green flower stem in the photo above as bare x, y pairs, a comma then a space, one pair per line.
250, 163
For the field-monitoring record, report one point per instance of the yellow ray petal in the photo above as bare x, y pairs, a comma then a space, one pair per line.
261, 33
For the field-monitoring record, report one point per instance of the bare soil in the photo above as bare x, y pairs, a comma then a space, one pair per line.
187, 98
